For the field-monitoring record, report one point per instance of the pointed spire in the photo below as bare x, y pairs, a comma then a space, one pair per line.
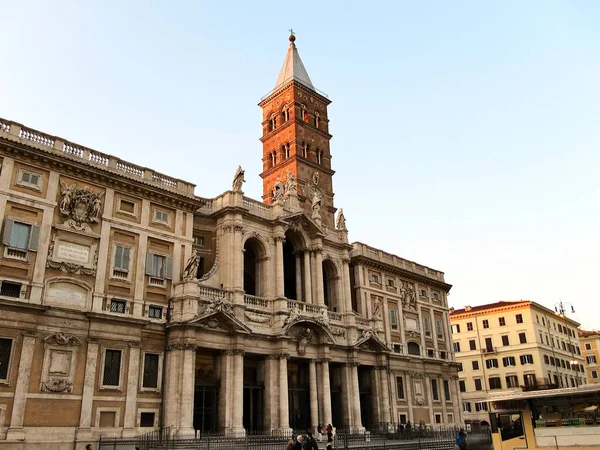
292, 67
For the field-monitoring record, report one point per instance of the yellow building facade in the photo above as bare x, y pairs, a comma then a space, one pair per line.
590, 349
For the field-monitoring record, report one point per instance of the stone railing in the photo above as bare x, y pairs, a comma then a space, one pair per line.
254, 301
361, 249
92, 157
257, 208
209, 293
336, 317
308, 308
361, 321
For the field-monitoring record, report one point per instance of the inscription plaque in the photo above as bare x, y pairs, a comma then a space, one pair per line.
66, 294
69, 251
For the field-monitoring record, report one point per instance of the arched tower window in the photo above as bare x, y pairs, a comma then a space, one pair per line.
319, 156
330, 286
286, 150
273, 158
317, 120
305, 150
273, 122
286, 113
303, 113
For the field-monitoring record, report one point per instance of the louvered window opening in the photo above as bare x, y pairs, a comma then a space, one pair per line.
9, 289
5, 348
155, 312
112, 368
150, 379
118, 306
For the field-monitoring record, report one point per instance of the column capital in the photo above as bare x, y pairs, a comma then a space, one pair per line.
322, 360
92, 340
238, 229
134, 344
279, 238
181, 346
346, 259
234, 351
227, 228
30, 333
353, 364
282, 355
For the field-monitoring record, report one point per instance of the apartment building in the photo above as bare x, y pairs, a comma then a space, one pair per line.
513, 345
590, 349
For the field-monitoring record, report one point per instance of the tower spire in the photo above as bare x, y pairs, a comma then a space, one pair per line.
293, 68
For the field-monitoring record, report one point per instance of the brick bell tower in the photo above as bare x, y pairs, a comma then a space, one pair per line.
296, 137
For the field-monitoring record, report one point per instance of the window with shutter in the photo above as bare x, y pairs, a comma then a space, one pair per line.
5, 353
111, 375
150, 375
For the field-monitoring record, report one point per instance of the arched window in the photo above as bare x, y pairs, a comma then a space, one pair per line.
273, 158
414, 349
273, 122
319, 156
303, 113
286, 113
317, 120
305, 150
286, 150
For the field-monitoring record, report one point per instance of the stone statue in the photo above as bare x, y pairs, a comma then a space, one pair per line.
376, 309
238, 180
290, 183
408, 296
294, 315
341, 221
324, 319
82, 206
191, 267
317, 202
278, 190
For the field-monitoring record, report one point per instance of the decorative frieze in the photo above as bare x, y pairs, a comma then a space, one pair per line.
181, 346
62, 339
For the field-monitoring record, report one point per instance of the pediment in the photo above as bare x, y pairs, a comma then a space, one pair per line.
370, 342
301, 221
220, 320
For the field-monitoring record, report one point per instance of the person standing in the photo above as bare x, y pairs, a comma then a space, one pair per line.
88, 447
299, 442
461, 440
312, 441
408, 430
329, 431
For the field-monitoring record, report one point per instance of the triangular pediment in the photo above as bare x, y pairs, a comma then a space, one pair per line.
220, 320
300, 220
371, 342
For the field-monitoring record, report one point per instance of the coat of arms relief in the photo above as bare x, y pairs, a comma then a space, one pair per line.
82, 206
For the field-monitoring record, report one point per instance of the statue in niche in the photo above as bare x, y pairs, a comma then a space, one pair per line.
376, 308
278, 190
82, 206
317, 202
191, 267
238, 180
411, 296
341, 221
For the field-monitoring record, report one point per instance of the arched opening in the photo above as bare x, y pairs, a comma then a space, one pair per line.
330, 279
414, 349
273, 122
291, 266
254, 254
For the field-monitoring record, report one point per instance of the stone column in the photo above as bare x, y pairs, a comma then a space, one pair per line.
409, 397
347, 398
456, 403
326, 387
313, 276
132, 384
225, 391
314, 405
186, 397
298, 277
427, 381
279, 292
237, 428
84, 432
319, 275
271, 376
357, 425
385, 394
443, 399
307, 278
171, 406
16, 432
284, 413
238, 258
346, 287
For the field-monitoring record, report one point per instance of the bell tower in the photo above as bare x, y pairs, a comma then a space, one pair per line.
296, 137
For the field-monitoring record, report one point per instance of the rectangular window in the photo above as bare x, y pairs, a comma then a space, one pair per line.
505, 341
150, 375
519, 318
439, 329
5, 353
199, 240
560, 329
400, 388
126, 206
122, 258
403, 419
522, 338
501, 321
446, 390
394, 319
495, 383
512, 381
478, 386
161, 216
486, 324
488, 345
462, 385
472, 344
481, 406
546, 360
397, 348
159, 266
155, 312
427, 325
594, 374
491, 363
29, 179
591, 359
466, 407
112, 368
20, 236
588, 346
430, 353
10, 289
455, 328
391, 283
460, 367
434, 390
475, 365
438, 418
509, 361
529, 379
526, 359
469, 326
118, 306
456, 346
147, 419
552, 361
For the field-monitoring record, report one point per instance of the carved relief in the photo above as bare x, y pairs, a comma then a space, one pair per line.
304, 338
278, 190
63, 339
255, 318
338, 331
58, 367
82, 205
57, 385
408, 296
294, 315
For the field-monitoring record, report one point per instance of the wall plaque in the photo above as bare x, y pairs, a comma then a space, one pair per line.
411, 324
66, 294
73, 252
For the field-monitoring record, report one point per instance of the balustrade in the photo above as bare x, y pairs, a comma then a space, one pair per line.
252, 300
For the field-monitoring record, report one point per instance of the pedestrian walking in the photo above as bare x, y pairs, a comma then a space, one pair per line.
320, 432
461, 440
312, 441
299, 445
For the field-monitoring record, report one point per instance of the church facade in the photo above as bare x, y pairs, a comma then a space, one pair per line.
130, 303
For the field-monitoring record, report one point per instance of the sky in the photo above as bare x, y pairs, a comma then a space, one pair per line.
465, 133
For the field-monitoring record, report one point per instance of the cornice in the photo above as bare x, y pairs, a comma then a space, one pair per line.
275, 92
366, 261
81, 169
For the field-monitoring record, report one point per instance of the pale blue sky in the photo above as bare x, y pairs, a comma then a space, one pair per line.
465, 133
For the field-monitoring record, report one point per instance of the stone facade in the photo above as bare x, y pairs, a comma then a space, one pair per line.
127, 303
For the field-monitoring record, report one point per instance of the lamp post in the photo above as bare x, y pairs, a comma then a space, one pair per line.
559, 309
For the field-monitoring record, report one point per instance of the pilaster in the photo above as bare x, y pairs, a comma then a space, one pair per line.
84, 432
132, 383
237, 426
284, 416
385, 394
279, 238
314, 406
319, 275
307, 277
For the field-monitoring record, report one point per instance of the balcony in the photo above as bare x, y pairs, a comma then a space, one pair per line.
487, 350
